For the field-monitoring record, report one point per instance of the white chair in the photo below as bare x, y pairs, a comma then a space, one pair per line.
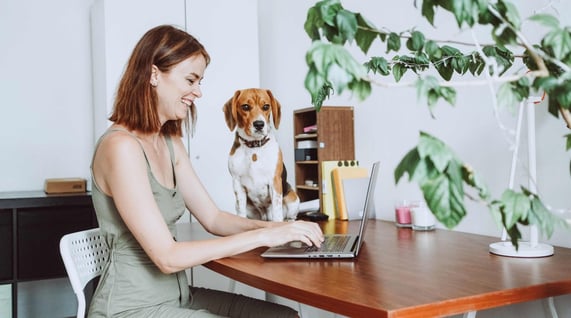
84, 255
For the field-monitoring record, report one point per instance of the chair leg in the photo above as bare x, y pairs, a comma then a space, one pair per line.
470, 314
549, 307
232, 286
300, 310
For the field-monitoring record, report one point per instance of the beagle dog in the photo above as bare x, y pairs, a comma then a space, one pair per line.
255, 162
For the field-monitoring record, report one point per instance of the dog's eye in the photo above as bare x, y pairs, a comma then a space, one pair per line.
245, 107
266, 107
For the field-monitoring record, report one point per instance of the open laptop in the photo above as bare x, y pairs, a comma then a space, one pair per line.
335, 245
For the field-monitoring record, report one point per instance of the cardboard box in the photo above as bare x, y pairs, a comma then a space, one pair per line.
65, 185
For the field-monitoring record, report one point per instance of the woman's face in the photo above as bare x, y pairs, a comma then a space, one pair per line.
178, 88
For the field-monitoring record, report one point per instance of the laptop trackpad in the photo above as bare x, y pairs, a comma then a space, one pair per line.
295, 247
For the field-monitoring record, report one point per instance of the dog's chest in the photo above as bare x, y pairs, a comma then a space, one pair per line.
254, 166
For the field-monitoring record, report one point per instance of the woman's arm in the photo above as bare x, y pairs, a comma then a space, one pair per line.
198, 201
120, 170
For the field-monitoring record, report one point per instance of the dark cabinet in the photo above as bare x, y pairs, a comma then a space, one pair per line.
39, 232
31, 226
6, 244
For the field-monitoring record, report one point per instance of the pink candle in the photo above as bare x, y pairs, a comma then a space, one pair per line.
402, 215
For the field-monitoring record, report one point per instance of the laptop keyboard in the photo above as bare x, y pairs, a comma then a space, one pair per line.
330, 244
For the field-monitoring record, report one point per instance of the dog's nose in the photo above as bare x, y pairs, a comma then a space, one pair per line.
259, 124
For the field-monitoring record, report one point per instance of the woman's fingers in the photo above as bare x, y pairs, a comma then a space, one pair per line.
311, 233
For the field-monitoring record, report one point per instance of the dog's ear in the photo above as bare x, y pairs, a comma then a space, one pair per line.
276, 109
229, 110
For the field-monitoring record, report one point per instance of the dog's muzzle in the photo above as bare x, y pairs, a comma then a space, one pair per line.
259, 125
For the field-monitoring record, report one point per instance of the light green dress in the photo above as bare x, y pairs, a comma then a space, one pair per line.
132, 286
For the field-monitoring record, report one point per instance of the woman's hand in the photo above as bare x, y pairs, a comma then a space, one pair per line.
307, 232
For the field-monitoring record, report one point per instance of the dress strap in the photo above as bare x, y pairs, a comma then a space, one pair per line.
171, 153
123, 130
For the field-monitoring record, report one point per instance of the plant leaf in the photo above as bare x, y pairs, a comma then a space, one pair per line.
515, 235
432, 50
443, 195
446, 71
362, 88
472, 179
495, 209
416, 41
398, 71
313, 83
511, 14
346, 22
463, 11
449, 94
546, 20
365, 34
542, 217
407, 164
428, 10
424, 171
559, 41
311, 24
516, 207
429, 146
338, 77
378, 64
506, 96
393, 42
328, 10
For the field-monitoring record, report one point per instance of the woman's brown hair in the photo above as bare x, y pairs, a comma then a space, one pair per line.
135, 104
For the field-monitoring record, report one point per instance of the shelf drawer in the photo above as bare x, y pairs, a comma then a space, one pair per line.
39, 233
6, 244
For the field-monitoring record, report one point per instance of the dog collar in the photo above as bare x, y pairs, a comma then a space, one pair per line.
254, 143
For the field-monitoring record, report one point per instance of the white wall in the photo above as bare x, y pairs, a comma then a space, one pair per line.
113, 40
46, 114
232, 42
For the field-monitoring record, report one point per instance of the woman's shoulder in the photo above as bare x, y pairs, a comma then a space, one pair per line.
120, 141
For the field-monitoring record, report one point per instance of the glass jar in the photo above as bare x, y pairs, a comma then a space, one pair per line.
402, 214
422, 217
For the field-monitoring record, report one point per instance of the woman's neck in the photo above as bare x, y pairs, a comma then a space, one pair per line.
154, 139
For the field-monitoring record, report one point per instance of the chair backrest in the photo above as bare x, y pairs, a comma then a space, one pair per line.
84, 255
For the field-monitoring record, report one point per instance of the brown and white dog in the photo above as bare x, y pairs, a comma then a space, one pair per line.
255, 163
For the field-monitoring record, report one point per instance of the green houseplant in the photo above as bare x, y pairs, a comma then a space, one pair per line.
440, 174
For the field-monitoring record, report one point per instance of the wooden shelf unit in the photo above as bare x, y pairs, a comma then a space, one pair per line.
335, 139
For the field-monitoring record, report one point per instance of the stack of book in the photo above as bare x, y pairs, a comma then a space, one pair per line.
344, 186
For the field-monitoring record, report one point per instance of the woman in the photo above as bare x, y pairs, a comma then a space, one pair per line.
142, 182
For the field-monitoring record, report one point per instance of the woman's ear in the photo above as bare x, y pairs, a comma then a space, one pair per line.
154, 80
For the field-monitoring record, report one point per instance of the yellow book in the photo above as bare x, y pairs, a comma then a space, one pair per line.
337, 176
328, 198
328, 206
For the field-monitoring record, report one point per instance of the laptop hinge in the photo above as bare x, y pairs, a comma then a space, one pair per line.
354, 247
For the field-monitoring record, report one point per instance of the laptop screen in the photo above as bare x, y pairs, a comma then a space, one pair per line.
369, 208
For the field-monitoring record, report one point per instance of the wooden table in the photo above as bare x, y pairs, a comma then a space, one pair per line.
405, 273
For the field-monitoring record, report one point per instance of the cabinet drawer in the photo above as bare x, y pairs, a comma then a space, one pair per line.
39, 233
6, 244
